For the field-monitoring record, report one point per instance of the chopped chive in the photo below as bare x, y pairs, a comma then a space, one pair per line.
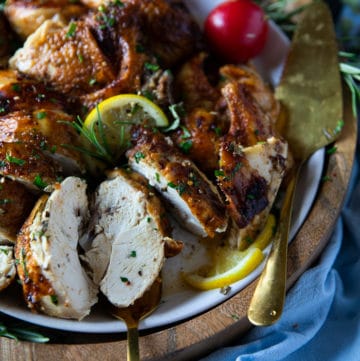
138, 156
54, 299
41, 115
151, 67
186, 146
157, 177
331, 150
219, 173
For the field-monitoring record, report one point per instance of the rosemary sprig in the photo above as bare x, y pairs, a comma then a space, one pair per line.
350, 69
17, 333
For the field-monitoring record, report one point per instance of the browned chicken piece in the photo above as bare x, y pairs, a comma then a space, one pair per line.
16, 203
66, 57
26, 16
128, 233
204, 119
53, 279
252, 164
191, 196
35, 132
107, 52
250, 79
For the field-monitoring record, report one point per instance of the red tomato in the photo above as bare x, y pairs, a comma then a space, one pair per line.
236, 30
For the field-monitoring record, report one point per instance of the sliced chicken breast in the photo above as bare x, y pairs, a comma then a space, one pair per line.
7, 266
251, 193
193, 198
54, 282
128, 232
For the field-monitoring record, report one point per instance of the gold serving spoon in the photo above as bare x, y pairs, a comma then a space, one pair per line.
133, 314
311, 94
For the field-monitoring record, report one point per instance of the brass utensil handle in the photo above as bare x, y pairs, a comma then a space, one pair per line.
268, 300
133, 353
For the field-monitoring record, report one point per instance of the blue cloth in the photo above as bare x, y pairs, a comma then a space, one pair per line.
321, 319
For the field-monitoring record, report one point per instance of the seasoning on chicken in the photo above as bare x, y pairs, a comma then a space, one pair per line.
16, 203
34, 137
7, 266
128, 232
48, 264
192, 197
252, 163
108, 51
26, 16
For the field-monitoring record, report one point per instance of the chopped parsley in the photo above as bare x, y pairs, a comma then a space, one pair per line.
148, 219
5, 251
181, 187
133, 254
92, 81
38, 182
71, 31
14, 160
138, 156
41, 115
157, 177
219, 173
16, 87
54, 299
186, 145
340, 124
151, 67
326, 178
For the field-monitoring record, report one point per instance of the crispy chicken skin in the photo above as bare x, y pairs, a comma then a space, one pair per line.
48, 264
105, 52
33, 134
7, 266
192, 197
128, 232
252, 162
26, 16
16, 203
250, 79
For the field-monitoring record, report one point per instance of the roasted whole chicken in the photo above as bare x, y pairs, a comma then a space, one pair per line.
71, 234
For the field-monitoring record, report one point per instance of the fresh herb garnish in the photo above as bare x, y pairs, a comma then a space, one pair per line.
54, 299
151, 67
41, 115
17, 332
14, 160
38, 182
177, 111
72, 30
138, 156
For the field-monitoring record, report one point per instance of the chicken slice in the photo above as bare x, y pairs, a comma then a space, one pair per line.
48, 265
251, 184
252, 162
128, 232
26, 16
193, 198
7, 266
250, 79
16, 202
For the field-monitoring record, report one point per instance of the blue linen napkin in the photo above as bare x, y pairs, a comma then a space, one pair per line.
321, 319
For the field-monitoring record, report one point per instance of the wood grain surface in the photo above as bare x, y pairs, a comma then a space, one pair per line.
225, 323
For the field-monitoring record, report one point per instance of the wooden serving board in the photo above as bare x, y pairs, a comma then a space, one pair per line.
225, 323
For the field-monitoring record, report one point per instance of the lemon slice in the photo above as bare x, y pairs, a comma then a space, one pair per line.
110, 121
231, 266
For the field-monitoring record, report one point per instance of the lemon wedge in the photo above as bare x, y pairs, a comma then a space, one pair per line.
109, 123
230, 265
